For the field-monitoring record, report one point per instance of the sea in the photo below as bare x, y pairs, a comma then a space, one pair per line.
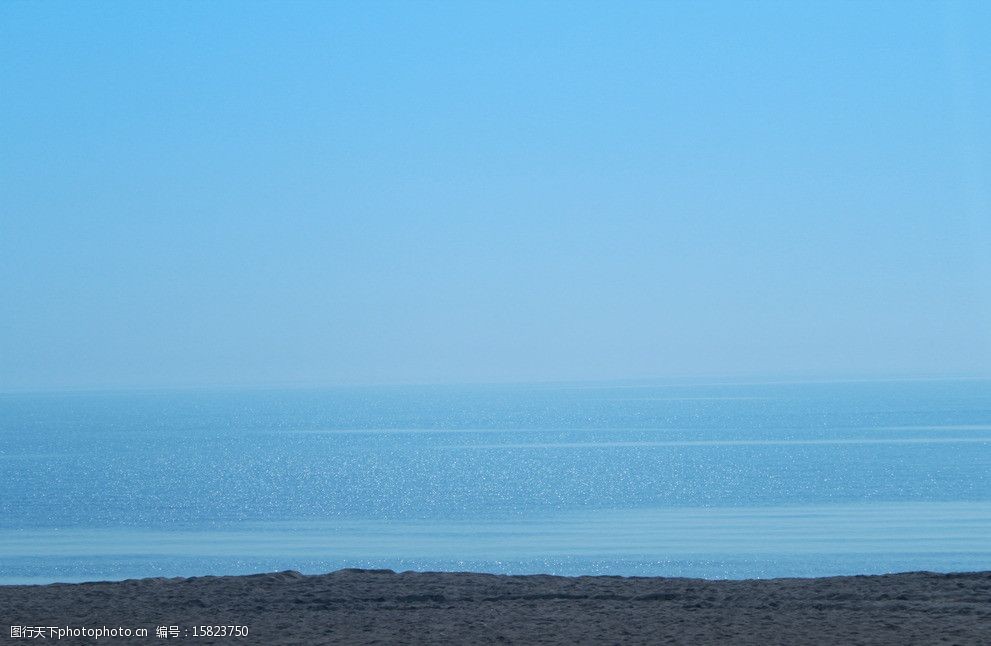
686, 479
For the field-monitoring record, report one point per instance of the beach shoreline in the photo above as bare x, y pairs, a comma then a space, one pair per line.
381, 606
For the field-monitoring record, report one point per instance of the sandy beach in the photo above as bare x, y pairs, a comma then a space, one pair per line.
383, 607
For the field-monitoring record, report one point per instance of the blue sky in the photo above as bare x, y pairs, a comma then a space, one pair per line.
197, 194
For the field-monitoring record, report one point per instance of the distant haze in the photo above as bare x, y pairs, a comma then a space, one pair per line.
197, 194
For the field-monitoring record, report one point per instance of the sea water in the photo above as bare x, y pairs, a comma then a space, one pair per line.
676, 479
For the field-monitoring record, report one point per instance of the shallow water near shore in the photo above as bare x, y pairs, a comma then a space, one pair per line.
676, 479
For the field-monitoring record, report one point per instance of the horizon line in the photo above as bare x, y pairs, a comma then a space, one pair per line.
684, 381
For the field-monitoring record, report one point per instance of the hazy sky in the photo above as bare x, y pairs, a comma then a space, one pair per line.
230, 193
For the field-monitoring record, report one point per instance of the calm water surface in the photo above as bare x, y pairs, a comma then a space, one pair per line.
689, 480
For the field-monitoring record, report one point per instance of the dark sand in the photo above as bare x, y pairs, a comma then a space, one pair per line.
381, 607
